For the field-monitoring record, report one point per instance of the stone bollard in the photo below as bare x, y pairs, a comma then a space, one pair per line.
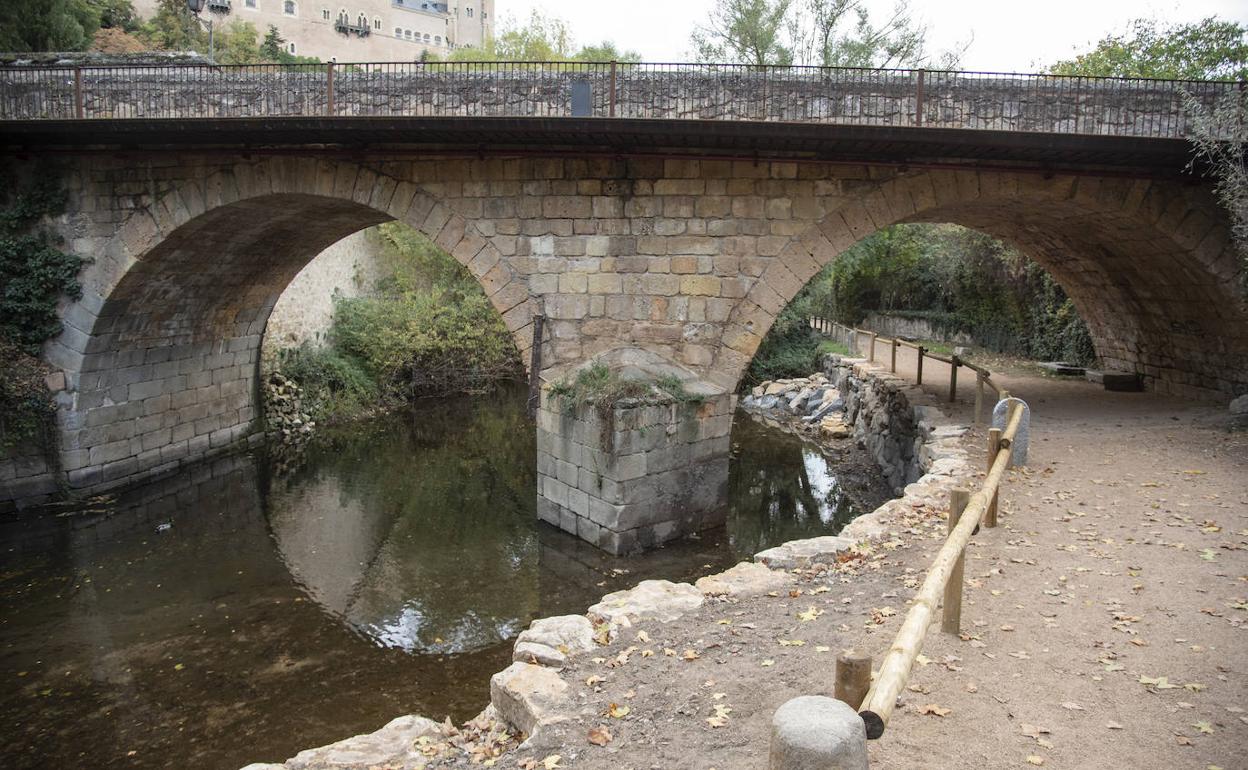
812, 732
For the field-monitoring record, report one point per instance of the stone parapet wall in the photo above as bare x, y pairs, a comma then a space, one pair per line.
1044, 104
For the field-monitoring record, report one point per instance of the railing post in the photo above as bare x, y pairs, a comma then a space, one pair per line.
918, 97
918, 378
871, 347
951, 617
994, 447
611, 107
979, 397
78, 106
853, 678
953, 378
892, 357
329, 89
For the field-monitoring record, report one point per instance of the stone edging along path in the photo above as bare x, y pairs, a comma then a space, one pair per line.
530, 698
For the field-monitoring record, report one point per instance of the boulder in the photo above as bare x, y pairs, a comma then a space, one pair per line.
530, 697
660, 600
803, 553
1239, 407
551, 641
745, 579
394, 744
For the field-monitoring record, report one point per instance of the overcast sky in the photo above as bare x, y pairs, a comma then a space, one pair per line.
1008, 35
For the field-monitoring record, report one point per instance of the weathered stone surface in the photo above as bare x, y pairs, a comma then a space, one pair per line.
803, 553
540, 654
529, 697
394, 744
744, 579
813, 732
660, 600
1240, 405
569, 633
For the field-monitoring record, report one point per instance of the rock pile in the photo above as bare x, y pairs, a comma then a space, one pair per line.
284, 415
815, 401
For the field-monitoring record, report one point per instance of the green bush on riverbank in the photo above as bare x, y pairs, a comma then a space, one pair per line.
428, 330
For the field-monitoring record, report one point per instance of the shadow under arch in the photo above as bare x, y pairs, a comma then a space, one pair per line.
1148, 265
169, 368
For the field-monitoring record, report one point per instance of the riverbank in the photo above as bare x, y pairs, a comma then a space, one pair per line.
558, 710
1102, 624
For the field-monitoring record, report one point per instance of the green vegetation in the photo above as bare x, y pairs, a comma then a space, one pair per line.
1211, 49
34, 275
428, 330
827, 33
832, 346
602, 388
958, 280
541, 38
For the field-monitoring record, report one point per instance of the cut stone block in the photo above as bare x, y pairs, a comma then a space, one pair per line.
660, 600
745, 579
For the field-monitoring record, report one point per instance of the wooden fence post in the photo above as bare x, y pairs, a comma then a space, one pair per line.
953, 378
892, 357
853, 678
979, 397
918, 378
994, 447
951, 617
872, 347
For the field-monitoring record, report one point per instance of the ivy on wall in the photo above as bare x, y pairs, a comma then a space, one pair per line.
34, 274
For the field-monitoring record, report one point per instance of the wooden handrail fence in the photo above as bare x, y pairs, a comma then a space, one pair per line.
943, 580
983, 377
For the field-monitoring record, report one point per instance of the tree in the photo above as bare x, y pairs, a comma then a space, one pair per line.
829, 33
116, 14
1219, 136
606, 51
274, 45
174, 28
744, 31
542, 38
47, 25
1208, 49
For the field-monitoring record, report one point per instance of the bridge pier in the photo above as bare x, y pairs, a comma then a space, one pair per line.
636, 473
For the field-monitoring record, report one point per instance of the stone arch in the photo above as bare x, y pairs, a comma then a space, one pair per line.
161, 354
1148, 264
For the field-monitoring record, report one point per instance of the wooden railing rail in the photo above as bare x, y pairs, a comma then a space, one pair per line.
983, 377
944, 579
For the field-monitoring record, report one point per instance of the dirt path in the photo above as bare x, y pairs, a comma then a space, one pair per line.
1103, 625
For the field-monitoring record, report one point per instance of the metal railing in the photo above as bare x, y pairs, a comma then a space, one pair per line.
850, 336
722, 92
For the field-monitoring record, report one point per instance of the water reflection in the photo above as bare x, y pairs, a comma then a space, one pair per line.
382, 577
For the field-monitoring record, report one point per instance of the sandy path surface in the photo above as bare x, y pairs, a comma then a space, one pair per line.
1103, 624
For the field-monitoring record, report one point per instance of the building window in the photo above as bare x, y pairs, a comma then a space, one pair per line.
398, 32
289, 8
290, 47
407, 34
437, 40
426, 37
377, 23
361, 22
251, 4
470, 13
325, 14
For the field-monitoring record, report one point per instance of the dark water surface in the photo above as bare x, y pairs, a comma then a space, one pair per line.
230, 614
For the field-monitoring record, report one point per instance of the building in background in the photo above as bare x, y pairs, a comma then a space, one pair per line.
359, 30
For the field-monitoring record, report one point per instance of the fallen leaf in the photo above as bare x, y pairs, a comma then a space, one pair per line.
617, 711
1112, 725
1160, 682
1035, 760
595, 679
932, 708
1072, 706
599, 736
551, 762
768, 662
791, 642
809, 614
691, 655
1203, 727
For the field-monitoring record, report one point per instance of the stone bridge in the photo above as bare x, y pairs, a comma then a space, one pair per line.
679, 238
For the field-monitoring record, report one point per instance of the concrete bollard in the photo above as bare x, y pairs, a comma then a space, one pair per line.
812, 732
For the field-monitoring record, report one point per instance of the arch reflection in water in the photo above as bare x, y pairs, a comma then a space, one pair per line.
419, 531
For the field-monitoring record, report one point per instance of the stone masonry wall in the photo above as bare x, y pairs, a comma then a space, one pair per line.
654, 473
800, 94
690, 260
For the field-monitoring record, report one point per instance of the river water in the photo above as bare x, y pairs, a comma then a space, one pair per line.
233, 613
